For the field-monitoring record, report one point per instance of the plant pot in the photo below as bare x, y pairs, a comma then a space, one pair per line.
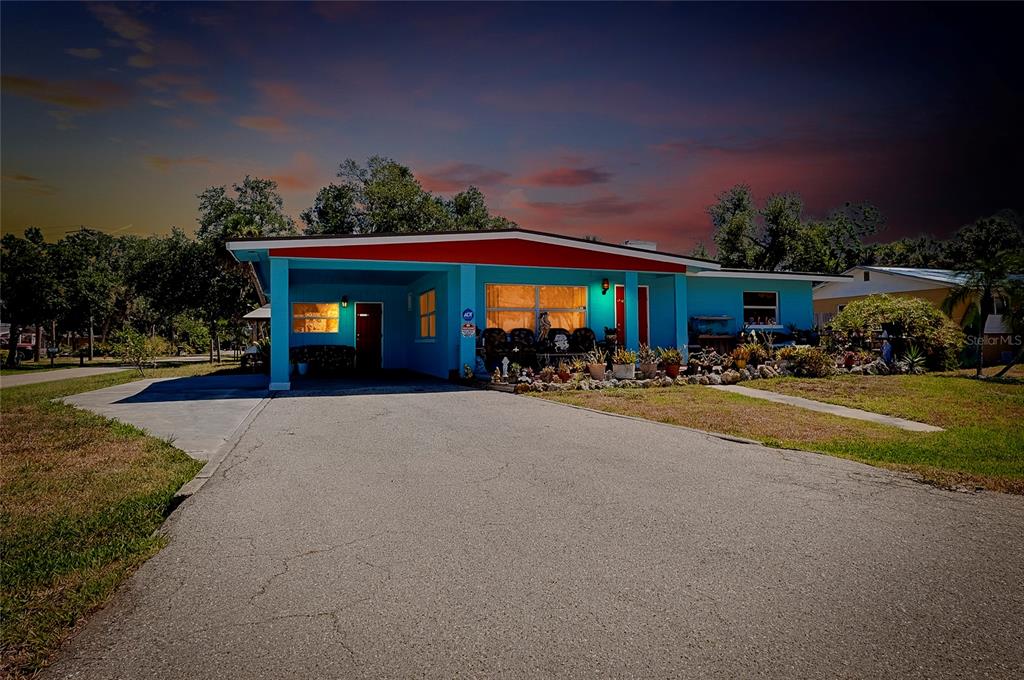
624, 371
597, 371
741, 363
302, 367
672, 370
649, 370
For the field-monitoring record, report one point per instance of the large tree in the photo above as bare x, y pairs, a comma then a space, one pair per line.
733, 216
28, 283
384, 196
255, 210
334, 211
987, 253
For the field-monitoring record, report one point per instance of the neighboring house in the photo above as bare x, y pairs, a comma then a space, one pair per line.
933, 285
415, 301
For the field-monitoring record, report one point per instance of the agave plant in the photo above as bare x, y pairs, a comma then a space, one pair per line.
913, 360
646, 355
670, 355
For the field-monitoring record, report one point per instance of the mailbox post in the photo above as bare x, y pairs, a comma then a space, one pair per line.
51, 352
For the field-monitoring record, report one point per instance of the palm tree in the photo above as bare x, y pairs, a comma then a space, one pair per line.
1013, 317
986, 253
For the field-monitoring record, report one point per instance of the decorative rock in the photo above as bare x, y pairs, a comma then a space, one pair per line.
715, 379
857, 369
680, 380
692, 380
716, 369
703, 380
667, 381
730, 377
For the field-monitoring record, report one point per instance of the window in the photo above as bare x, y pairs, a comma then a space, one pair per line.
867, 276
428, 314
315, 317
761, 308
518, 306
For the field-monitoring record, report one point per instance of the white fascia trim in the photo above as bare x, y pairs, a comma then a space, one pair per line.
472, 236
780, 276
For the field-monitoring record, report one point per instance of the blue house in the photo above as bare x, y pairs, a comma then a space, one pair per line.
419, 301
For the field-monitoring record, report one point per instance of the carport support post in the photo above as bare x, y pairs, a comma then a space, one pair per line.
280, 368
682, 315
632, 307
467, 300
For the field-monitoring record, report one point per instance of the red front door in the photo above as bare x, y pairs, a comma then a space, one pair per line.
368, 335
620, 314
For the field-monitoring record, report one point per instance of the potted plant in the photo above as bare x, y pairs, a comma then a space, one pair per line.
595, 360
546, 374
513, 373
563, 371
624, 364
741, 355
648, 361
672, 359
578, 365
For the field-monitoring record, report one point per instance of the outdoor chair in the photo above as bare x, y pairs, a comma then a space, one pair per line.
494, 346
582, 340
523, 347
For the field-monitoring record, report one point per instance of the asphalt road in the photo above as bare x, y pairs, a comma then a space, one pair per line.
454, 533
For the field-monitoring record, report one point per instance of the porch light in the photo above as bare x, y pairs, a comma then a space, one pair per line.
344, 301
604, 286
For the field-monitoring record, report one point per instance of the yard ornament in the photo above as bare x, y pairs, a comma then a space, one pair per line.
504, 367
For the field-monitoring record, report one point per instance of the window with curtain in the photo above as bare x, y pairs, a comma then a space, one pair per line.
428, 314
761, 308
518, 306
315, 317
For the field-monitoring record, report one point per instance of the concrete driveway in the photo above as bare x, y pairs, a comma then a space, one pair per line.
454, 533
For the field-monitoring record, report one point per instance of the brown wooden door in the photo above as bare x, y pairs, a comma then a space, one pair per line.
620, 314
369, 335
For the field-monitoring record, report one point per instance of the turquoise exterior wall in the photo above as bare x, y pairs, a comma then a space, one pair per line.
673, 299
717, 296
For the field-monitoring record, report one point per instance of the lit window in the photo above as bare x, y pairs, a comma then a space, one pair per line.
519, 306
315, 317
428, 314
761, 308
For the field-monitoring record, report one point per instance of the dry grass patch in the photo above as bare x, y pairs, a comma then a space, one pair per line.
81, 498
983, 445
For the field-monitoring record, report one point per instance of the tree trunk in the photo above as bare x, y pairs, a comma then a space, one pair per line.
984, 305
251, 270
212, 330
91, 334
12, 345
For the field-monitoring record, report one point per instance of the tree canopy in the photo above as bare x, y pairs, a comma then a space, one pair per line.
384, 196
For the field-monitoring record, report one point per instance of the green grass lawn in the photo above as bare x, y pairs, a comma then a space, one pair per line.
982, 446
81, 498
58, 363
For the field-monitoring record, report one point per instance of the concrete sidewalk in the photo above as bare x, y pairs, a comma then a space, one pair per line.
834, 409
198, 414
41, 376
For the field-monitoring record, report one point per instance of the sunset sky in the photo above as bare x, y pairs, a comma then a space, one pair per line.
619, 120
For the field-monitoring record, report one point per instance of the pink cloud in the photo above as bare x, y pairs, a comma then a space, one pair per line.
567, 177
283, 98
300, 175
271, 124
81, 95
165, 163
459, 176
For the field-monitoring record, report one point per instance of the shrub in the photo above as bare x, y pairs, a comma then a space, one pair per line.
191, 332
930, 330
134, 348
808, 362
